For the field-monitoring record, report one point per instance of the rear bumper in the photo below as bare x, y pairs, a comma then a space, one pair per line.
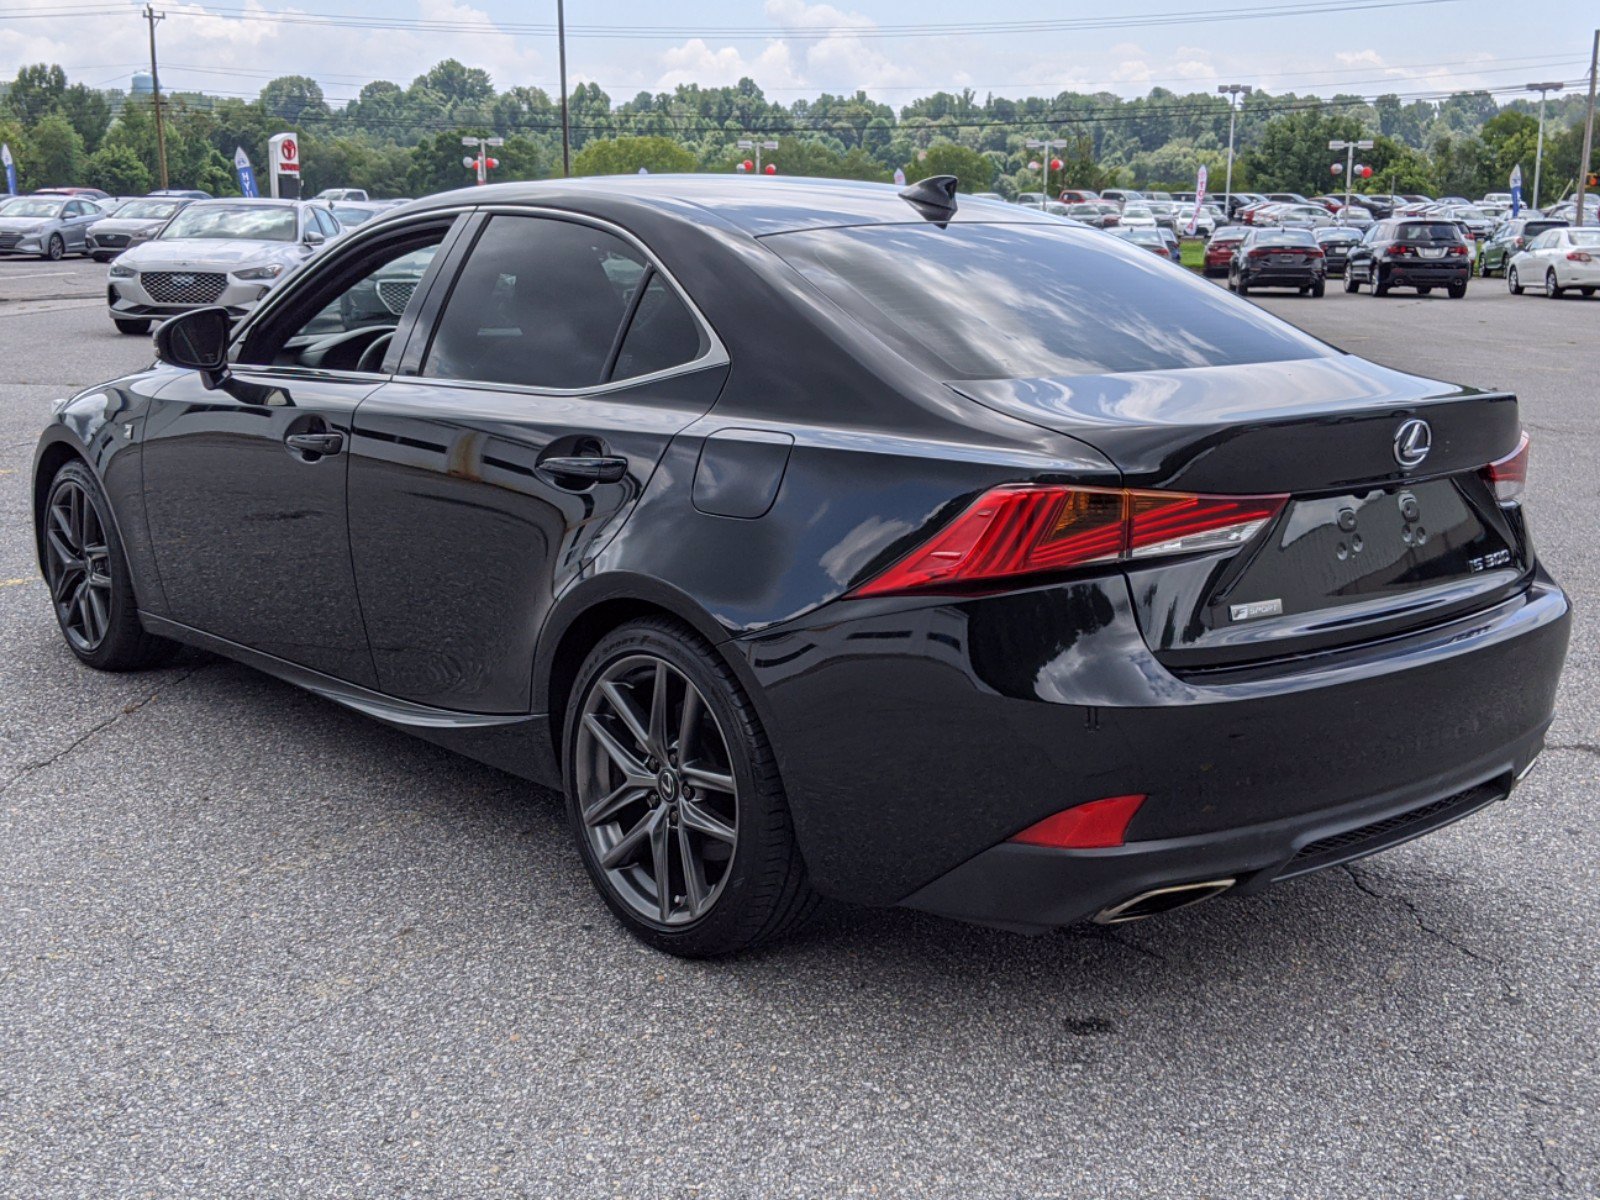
966, 721
1282, 276
1426, 276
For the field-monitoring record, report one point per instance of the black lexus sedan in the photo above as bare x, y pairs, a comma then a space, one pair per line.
1279, 258
819, 539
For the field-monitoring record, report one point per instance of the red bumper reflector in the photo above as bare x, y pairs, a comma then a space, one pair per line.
1092, 826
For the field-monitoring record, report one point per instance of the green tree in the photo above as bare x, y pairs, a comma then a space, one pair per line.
293, 99
118, 170
974, 172
36, 91
625, 155
55, 153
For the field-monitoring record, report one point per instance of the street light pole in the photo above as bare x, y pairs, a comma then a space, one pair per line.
481, 145
757, 145
1048, 147
1350, 149
566, 122
1232, 91
1538, 157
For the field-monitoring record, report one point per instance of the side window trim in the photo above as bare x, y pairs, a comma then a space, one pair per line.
417, 349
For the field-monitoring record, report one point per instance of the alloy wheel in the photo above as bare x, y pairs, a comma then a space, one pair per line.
656, 790
78, 566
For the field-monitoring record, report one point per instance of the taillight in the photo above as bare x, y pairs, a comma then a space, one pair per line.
1509, 475
1400, 251
1578, 256
1097, 825
1020, 529
1312, 253
1458, 251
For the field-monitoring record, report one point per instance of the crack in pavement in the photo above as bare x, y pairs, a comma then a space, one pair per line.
1578, 747
1552, 1168
1496, 966
99, 727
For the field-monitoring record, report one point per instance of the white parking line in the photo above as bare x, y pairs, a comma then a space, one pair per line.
41, 274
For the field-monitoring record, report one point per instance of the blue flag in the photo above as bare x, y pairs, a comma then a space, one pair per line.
247, 175
11, 170
1516, 189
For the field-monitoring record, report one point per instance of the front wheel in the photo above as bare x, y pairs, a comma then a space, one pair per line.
134, 327
101, 257
674, 796
1551, 288
1513, 284
90, 586
55, 248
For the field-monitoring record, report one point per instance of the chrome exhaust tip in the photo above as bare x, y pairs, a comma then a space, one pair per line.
1162, 900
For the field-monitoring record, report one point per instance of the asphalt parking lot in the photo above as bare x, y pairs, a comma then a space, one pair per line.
254, 945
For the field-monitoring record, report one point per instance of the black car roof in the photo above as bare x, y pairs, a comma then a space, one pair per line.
756, 204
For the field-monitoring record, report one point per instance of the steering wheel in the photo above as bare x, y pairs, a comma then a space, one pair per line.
371, 359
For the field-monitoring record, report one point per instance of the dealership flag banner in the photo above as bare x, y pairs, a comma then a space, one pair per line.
247, 174
1199, 197
11, 170
1516, 190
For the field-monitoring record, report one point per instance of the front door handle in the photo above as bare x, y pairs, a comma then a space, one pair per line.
315, 443
587, 469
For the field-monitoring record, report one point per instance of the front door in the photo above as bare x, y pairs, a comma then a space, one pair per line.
482, 482
245, 497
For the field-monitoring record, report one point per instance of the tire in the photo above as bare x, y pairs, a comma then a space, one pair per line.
753, 893
102, 258
55, 248
1551, 288
1350, 284
134, 327
1380, 286
1457, 291
1424, 291
1513, 284
1319, 289
1586, 292
1242, 287
92, 593
1233, 284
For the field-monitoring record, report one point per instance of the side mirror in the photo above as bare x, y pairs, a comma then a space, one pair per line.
315, 237
197, 341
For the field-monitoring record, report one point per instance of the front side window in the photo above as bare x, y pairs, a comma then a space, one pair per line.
540, 303
220, 222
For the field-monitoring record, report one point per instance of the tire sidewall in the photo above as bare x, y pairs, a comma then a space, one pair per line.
55, 249
123, 609
725, 924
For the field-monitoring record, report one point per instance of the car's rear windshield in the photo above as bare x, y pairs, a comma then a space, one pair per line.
1535, 228
261, 224
980, 301
1284, 237
1584, 237
1427, 231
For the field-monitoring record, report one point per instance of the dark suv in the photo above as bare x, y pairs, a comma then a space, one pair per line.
1510, 238
1415, 252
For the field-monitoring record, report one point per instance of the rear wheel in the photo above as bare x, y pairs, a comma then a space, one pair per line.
1457, 290
131, 326
1380, 285
674, 796
1242, 287
1551, 288
91, 589
1319, 289
1424, 291
1513, 284
1588, 291
1350, 283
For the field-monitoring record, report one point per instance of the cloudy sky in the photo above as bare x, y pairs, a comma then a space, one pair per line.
895, 49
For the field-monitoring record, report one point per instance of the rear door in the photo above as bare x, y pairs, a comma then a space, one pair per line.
525, 421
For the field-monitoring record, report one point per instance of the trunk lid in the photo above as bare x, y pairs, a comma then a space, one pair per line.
1364, 547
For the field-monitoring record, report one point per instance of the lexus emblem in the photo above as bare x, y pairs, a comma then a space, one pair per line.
1412, 441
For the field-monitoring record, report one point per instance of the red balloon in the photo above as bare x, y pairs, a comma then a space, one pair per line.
492, 163
772, 169
1055, 164
748, 165
1366, 172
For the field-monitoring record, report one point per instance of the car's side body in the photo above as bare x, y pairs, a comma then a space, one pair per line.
46, 225
433, 573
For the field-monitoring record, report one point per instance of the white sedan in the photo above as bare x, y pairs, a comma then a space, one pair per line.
1137, 216
1556, 260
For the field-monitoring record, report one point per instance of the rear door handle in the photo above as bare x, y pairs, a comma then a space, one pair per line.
315, 443
587, 469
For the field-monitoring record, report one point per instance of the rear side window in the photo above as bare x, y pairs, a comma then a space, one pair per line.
538, 303
977, 301
662, 334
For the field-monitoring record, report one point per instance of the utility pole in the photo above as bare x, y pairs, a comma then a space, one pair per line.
1047, 147
1588, 129
1538, 156
566, 123
1232, 91
1349, 149
152, 16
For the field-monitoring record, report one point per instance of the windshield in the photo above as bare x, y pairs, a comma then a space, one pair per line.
978, 301
350, 215
1433, 231
147, 210
1283, 237
33, 206
261, 224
